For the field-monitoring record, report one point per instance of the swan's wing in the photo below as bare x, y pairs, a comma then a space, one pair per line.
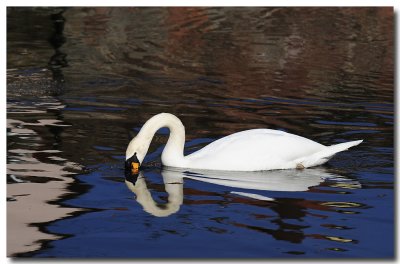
253, 149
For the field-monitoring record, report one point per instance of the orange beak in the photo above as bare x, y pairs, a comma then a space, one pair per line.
135, 167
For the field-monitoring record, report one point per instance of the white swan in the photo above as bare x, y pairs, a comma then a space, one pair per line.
250, 150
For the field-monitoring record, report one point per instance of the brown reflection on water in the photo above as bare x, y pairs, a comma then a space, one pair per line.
37, 175
184, 60
173, 56
294, 52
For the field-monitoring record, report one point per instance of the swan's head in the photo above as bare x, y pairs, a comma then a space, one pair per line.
135, 154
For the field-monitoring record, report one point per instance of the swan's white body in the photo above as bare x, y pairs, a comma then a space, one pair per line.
250, 150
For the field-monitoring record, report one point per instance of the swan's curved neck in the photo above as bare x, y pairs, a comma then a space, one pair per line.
173, 187
173, 151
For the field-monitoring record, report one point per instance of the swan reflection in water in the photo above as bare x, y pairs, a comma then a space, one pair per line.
276, 180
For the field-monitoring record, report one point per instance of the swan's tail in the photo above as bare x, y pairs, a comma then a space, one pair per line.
343, 146
324, 155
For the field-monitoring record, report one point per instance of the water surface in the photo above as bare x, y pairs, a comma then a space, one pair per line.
82, 81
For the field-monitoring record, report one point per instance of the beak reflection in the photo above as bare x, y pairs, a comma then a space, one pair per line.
130, 177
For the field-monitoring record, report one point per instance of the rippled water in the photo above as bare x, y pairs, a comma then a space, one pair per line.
82, 81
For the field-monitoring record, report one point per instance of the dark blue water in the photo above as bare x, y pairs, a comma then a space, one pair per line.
86, 79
